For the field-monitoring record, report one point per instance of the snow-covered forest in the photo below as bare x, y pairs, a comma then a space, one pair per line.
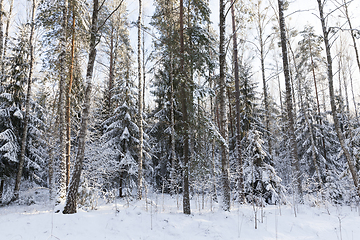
217, 105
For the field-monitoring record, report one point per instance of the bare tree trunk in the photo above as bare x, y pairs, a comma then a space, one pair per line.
1, 32
289, 103
317, 97
345, 88
71, 200
184, 96
143, 70
237, 105
68, 97
223, 112
62, 117
340, 135
111, 70
2, 183
140, 108
352, 92
230, 113
6, 38
27, 106
352, 31
172, 117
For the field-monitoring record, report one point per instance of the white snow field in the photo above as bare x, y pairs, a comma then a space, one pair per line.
162, 220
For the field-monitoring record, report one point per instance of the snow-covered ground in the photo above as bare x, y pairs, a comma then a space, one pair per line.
163, 220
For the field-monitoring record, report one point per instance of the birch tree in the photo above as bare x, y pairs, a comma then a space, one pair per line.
223, 112
350, 161
71, 198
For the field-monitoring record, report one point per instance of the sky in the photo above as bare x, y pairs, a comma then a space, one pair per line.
300, 13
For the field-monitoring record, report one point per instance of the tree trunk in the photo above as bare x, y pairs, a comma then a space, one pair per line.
27, 106
237, 105
143, 71
111, 72
289, 103
2, 183
71, 200
140, 108
340, 135
352, 93
317, 98
62, 128
352, 31
172, 119
223, 112
68, 97
186, 197
1, 32
6, 38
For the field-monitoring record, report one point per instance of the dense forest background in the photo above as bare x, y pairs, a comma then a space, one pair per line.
248, 107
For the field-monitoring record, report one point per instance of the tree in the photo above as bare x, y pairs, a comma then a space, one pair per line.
349, 159
140, 107
289, 102
27, 104
71, 198
237, 102
223, 112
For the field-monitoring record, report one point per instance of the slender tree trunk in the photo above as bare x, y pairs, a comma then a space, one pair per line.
27, 105
1, 31
143, 71
262, 42
62, 117
237, 105
111, 71
71, 200
68, 97
2, 183
317, 97
140, 107
6, 38
223, 113
289, 103
51, 173
184, 96
340, 135
345, 89
352, 31
352, 93
230, 113
172, 117
279, 86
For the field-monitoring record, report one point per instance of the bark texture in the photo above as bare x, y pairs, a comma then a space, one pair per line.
68, 97
186, 197
223, 113
62, 127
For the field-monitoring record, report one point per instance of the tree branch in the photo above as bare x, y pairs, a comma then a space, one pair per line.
110, 15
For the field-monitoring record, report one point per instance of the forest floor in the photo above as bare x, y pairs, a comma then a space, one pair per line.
159, 218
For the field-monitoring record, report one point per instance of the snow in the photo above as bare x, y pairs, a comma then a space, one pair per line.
163, 220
